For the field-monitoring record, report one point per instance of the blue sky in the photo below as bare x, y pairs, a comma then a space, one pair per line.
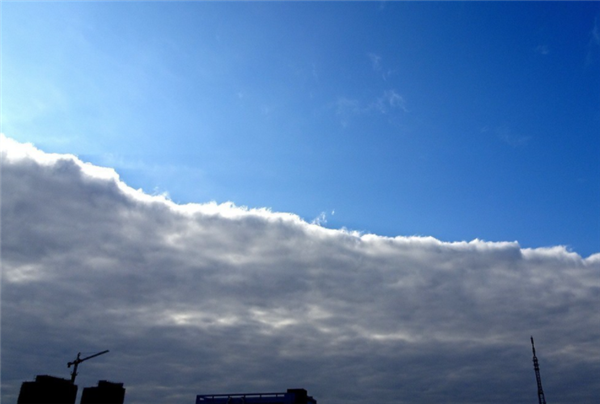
452, 120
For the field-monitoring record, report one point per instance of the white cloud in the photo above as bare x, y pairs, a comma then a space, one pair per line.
204, 298
594, 43
375, 61
320, 220
345, 108
390, 101
508, 136
377, 66
595, 33
542, 49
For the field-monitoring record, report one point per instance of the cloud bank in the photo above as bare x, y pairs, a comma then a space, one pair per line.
210, 298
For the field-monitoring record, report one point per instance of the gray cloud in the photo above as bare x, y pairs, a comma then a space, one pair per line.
206, 298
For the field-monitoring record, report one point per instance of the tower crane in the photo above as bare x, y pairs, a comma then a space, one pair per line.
78, 360
538, 378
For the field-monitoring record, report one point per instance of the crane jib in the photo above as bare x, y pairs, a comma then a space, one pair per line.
78, 360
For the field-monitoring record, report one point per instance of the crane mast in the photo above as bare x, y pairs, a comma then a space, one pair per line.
538, 378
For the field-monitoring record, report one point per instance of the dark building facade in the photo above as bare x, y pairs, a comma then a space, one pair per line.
105, 393
48, 390
291, 396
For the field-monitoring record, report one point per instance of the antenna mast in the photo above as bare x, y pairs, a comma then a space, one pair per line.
78, 360
538, 378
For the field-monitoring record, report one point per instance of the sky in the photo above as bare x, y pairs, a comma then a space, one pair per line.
371, 200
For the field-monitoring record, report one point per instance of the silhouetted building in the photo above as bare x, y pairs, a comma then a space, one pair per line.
47, 390
292, 396
105, 393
